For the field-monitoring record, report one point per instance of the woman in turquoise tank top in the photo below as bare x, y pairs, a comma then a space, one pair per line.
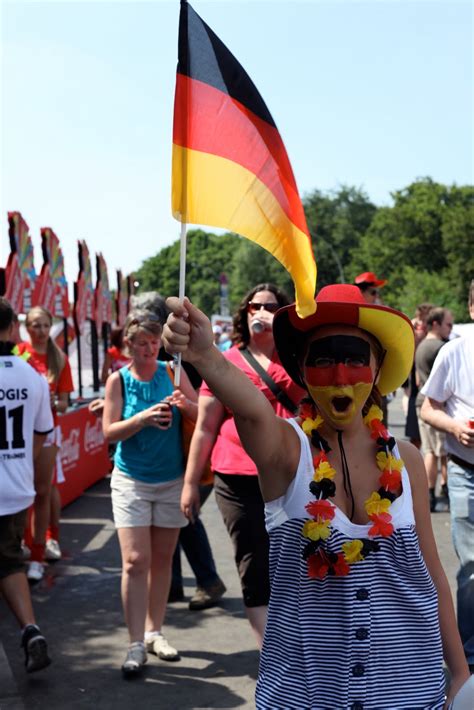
142, 412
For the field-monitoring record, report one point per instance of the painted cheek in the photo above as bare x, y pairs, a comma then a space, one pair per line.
338, 374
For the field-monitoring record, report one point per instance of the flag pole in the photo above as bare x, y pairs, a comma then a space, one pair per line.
182, 280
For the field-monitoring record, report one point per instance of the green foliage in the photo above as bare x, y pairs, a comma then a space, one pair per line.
208, 256
423, 245
337, 220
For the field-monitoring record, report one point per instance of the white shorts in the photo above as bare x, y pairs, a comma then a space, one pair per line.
136, 504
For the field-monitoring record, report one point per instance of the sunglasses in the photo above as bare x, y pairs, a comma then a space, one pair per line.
254, 307
374, 291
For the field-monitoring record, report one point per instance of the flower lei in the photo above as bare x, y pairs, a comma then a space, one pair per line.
321, 562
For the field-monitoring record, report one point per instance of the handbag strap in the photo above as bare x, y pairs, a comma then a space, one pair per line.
281, 396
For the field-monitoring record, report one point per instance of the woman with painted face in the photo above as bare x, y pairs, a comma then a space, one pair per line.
360, 614
235, 475
142, 413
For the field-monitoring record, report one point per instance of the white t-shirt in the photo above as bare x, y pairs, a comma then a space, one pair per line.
451, 382
24, 410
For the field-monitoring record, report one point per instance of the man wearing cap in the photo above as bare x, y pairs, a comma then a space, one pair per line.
369, 286
449, 406
353, 562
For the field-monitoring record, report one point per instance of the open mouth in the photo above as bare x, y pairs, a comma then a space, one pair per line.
341, 404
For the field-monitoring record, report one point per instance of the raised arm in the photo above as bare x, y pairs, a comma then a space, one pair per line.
270, 441
452, 646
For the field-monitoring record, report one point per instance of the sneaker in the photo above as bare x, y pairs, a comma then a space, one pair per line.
136, 659
36, 649
25, 551
52, 551
205, 598
158, 645
35, 572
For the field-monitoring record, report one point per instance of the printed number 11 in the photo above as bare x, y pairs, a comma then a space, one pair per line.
16, 415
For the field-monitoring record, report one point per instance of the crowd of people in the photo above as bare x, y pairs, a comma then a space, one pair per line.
329, 516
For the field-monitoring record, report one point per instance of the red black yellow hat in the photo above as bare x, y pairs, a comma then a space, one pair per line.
344, 304
368, 278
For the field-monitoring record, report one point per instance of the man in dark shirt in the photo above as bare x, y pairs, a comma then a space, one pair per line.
439, 325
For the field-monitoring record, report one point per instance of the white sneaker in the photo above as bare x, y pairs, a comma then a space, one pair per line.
35, 571
135, 660
158, 645
52, 551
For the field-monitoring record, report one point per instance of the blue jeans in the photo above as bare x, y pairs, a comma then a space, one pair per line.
461, 499
195, 543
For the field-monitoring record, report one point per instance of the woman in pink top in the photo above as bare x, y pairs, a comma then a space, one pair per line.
236, 482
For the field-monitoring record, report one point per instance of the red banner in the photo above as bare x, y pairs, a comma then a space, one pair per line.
20, 272
84, 453
83, 291
102, 295
121, 299
51, 290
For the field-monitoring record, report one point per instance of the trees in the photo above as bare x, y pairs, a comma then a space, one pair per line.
423, 245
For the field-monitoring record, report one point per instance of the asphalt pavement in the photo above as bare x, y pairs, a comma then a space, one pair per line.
79, 610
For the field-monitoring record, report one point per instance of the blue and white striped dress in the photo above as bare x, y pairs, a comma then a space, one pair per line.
370, 640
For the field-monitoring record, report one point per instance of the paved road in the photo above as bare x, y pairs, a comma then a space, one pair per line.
78, 606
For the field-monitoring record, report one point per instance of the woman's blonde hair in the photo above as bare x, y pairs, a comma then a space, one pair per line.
141, 320
55, 357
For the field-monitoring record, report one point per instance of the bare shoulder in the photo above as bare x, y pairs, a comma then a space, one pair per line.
281, 468
113, 386
414, 464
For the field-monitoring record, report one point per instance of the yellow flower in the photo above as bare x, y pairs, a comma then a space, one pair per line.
376, 505
373, 413
324, 470
388, 462
309, 424
317, 531
352, 551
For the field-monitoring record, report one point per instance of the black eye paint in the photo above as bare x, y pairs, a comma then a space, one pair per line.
338, 349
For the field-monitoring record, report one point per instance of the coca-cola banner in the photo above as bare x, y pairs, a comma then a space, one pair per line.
83, 289
121, 299
102, 295
51, 290
20, 275
84, 453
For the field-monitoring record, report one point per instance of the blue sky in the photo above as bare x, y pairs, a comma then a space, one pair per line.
372, 94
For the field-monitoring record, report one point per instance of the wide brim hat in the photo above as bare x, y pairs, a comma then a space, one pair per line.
368, 278
343, 304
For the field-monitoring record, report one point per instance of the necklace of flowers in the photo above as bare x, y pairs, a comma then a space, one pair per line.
321, 562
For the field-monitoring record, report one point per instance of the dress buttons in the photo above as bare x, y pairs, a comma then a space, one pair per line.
362, 634
358, 670
362, 594
357, 705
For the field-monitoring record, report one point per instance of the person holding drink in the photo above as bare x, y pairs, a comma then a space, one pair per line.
142, 412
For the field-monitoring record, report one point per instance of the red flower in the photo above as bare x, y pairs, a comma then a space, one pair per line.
319, 458
378, 431
306, 410
391, 480
381, 525
341, 568
318, 567
322, 509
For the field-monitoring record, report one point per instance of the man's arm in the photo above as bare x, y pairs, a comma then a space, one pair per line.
433, 413
38, 440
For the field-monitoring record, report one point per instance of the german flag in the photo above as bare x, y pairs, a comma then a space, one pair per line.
230, 167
